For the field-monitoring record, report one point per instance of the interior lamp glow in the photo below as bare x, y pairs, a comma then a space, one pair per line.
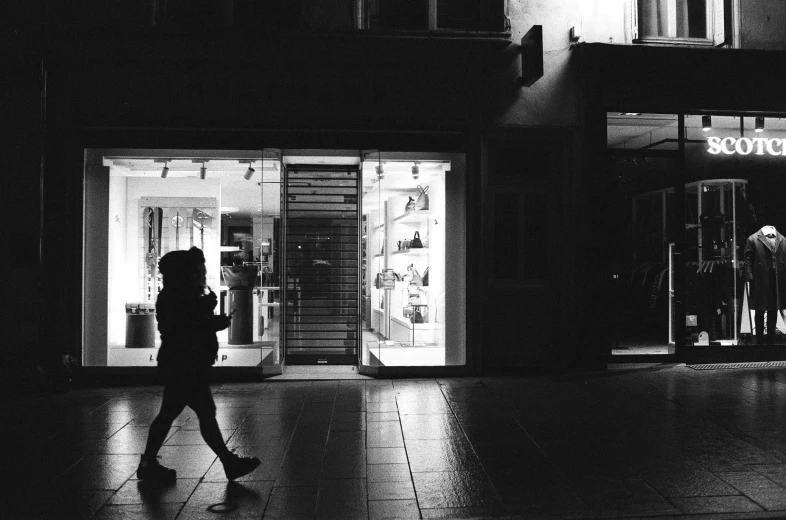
706, 123
759, 124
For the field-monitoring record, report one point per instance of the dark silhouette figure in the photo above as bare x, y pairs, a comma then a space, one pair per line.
184, 311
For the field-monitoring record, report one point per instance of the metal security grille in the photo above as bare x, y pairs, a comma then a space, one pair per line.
731, 366
322, 263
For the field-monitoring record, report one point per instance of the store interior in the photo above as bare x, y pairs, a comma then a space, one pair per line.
224, 203
728, 197
403, 231
229, 203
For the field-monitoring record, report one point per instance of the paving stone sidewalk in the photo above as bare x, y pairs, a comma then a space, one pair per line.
634, 441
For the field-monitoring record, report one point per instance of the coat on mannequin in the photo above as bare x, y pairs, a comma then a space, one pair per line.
765, 271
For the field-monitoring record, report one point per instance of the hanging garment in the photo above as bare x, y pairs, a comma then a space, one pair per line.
765, 264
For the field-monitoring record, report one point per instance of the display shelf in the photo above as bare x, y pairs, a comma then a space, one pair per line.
405, 322
377, 228
412, 251
379, 256
411, 217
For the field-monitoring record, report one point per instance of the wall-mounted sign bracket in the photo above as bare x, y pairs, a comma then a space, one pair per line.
531, 51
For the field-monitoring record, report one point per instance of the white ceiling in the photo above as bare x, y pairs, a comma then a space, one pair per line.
260, 196
246, 198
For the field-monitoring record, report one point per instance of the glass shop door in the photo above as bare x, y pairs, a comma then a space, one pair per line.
322, 264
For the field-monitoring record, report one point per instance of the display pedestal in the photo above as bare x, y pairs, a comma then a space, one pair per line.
140, 330
241, 308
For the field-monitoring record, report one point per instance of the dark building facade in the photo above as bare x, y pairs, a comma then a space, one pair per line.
532, 261
190, 87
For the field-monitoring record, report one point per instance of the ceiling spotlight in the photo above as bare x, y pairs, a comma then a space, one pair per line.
416, 170
165, 170
249, 173
706, 123
203, 172
759, 124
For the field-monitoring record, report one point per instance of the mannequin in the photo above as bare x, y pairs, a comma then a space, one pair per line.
765, 273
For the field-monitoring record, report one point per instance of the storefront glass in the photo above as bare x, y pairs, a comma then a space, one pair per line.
734, 262
735, 218
225, 203
283, 271
411, 295
639, 159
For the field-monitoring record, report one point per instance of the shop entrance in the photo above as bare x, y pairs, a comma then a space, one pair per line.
321, 289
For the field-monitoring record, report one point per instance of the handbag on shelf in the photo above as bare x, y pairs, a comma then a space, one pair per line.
416, 278
425, 277
412, 289
389, 279
411, 203
416, 243
421, 314
409, 310
422, 202
405, 244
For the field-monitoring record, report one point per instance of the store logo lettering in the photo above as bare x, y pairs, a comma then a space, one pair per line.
746, 146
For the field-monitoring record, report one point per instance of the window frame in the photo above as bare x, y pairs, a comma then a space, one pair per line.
363, 20
716, 12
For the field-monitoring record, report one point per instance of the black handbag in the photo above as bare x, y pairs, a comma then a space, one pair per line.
416, 243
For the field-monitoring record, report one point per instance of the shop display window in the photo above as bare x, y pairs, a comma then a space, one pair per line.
313, 277
411, 296
734, 256
160, 201
736, 281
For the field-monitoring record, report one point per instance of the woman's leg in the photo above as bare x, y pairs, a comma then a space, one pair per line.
171, 406
202, 403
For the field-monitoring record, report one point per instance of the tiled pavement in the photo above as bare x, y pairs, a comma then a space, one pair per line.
655, 441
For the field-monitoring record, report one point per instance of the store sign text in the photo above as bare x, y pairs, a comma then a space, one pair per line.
746, 146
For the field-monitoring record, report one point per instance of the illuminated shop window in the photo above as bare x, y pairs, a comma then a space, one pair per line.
158, 201
413, 282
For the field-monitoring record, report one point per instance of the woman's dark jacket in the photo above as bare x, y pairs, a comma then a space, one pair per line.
188, 328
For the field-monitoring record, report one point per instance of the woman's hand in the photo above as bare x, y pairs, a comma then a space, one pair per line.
209, 300
222, 321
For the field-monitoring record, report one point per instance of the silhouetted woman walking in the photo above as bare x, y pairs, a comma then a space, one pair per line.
184, 311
